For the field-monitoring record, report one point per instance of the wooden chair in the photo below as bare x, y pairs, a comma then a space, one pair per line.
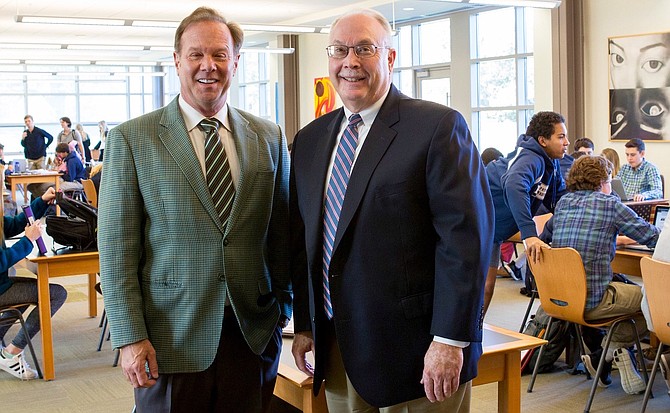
540, 222
561, 283
90, 192
12, 314
655, 275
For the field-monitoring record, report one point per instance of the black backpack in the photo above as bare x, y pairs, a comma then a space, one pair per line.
558, 339
78, 228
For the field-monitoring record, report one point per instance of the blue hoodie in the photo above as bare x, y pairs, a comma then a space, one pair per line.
520, 185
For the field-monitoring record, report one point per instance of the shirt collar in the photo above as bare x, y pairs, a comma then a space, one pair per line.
368, 114
192, 117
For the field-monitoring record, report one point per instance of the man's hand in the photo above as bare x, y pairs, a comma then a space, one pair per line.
442, 366
534, 247
638, 197
134, 358
303, 344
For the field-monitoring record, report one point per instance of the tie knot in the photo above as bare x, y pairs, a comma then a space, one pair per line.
209, 124
355, 119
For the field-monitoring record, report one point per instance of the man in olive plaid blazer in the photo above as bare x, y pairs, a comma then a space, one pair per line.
185, 294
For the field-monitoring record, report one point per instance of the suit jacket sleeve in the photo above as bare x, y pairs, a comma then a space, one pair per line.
462, 210
120, 240
278, 232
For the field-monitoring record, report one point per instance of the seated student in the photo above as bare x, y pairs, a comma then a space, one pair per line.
589, 219
585, 146
74, 172
19, 290
639, 176
520, 185
612, 156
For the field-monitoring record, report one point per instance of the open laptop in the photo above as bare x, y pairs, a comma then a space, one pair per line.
617, 187
659, 220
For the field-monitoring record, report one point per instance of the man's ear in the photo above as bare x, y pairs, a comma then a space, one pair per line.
542, 141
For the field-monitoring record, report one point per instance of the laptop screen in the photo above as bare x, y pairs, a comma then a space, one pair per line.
661, 214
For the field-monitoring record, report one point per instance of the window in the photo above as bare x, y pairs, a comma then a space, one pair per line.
254, 85
502, 76
86, 94
421, 48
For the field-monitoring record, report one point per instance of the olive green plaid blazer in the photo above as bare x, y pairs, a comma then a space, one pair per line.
166, 263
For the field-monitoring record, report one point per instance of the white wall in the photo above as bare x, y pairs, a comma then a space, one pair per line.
607, 18
313, 63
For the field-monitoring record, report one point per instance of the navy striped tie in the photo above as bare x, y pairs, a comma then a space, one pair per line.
219, 179
337, 188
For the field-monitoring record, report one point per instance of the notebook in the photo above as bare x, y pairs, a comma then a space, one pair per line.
659, 221
617, 187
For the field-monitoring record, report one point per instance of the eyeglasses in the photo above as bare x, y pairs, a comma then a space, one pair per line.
340, 51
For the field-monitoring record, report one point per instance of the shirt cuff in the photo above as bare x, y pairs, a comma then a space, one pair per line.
455, 343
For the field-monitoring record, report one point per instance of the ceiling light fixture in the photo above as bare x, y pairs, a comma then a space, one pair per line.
275, 50
104, 47
542, 4
30, 46
160, 24
69, 20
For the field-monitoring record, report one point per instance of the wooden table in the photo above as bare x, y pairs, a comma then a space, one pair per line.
627, 261
49, 266
33, 178
501, 363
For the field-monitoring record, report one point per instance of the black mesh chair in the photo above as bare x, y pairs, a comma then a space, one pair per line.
12, 314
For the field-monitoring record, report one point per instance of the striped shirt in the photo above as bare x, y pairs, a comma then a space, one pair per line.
589, 222
644, 180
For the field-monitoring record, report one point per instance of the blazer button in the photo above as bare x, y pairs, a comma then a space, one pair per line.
225, 242
221, 277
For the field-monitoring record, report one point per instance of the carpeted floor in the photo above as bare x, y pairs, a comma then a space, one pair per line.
87, 382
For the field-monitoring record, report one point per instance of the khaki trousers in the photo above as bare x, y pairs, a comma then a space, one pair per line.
341, 396
620, 299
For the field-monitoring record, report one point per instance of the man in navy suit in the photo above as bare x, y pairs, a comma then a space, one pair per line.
390, 253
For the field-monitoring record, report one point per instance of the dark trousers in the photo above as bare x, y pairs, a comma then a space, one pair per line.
238, 381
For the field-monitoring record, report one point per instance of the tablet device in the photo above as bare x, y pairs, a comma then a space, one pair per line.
31, 218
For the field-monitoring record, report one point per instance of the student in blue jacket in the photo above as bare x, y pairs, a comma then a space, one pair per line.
524, 181
19, 290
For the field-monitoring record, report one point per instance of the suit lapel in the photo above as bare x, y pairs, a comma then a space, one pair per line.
177, 142
246, 144
322, 151
377, 142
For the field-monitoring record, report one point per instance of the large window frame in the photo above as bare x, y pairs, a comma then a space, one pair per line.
492, 119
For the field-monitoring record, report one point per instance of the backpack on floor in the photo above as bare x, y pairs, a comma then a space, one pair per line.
78, 228
558, 339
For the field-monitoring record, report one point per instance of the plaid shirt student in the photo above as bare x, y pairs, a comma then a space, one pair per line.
589, 222
644, 180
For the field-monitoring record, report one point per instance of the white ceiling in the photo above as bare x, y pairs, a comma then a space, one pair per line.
275, 12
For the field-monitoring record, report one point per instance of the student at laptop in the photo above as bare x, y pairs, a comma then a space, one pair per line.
640, 177
588, 219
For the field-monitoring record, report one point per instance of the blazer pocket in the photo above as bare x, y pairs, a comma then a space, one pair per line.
418, 305
265, 296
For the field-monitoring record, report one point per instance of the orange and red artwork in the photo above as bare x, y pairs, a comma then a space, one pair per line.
324, 96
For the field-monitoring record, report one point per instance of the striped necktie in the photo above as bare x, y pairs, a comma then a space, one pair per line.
219, 179
337, 188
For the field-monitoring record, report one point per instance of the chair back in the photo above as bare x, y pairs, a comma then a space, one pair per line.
656, 278
561, 283
90, 192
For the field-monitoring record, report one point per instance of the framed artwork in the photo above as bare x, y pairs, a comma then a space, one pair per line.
639, 87
324, 96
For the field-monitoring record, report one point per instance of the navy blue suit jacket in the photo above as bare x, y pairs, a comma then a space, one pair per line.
411, 249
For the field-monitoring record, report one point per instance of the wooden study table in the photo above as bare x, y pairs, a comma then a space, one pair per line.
501, 363
33, 178
627, 261
62, 265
